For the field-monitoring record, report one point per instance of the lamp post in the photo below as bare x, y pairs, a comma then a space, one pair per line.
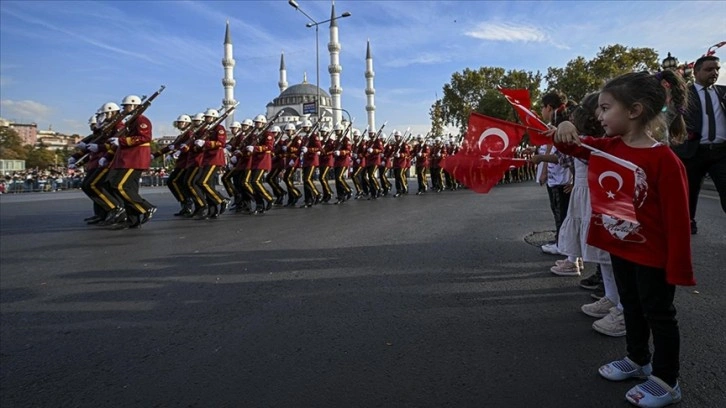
316, 24
670, 63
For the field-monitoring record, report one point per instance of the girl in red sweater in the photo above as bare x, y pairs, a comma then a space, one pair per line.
648, 261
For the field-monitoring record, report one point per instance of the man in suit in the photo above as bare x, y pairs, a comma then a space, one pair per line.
705, 150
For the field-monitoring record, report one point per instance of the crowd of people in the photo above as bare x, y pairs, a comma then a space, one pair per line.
672, 132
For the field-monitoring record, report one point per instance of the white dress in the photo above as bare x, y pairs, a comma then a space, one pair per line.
573, 232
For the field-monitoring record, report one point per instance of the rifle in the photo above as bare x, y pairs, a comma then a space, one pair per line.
107, 127
270, 122
220, 119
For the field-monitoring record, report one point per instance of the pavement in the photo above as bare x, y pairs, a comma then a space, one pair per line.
420, 301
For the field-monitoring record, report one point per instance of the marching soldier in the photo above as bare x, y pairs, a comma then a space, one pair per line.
373, 161
292, 159
402, 152
341, 163
310, 161
438, 154
175, 182
386, 164
278, 165
327, 160
422, 153
133, 156
360, 175
235, 132
194, 158
211, 145
261, 152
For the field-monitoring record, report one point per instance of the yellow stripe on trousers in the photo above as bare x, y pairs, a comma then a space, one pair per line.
98, 179
190, 182
126, 197
260, 188
212, 192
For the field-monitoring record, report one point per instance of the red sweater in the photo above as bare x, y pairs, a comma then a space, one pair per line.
664, 237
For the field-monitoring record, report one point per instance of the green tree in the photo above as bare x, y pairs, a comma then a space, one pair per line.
580, 76
41, 158
476, 91
11, 145
437, 118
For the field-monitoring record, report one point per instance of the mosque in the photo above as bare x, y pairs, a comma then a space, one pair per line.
298, 100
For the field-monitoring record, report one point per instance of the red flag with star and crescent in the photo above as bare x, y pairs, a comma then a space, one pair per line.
486, 152
522, 104
617, 188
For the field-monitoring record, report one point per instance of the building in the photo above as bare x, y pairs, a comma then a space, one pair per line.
298, 102
52, 140
28, 132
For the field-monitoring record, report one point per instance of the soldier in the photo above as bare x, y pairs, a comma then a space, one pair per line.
194, 159
175, 182
211, 144
373, 161
401, 154
360, 176
327, 160
94, 184
448, 179
422, 153
310, 161
341, 163
235, 133
438, 154
132, 157
386, 164
240, 160
292, 158
278, 165
261, 151
246, 166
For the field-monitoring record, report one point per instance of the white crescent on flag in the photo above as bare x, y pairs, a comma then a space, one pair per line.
612, 174
494, 132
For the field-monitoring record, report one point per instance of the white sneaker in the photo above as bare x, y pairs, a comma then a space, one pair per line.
550, 249
612, 325
601, 308
566, 269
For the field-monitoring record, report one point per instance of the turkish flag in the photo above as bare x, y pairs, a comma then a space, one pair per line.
486, 153
617, 188
520, 101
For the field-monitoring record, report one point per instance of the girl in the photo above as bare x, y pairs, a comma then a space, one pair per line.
649, 260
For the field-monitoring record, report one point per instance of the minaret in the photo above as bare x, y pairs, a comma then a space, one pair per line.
228, 80
334, 68
283, 73
370, 90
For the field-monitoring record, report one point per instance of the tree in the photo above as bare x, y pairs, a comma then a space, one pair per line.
437, 118
41, 158
11, 145
580, 76
475, 91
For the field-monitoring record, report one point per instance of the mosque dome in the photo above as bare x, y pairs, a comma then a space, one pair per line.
301, 93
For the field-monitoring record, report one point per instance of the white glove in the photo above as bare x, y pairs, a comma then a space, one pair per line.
228, 148
284, 148
370, 150
93, 147
176, 154
337, 152
250, 148
230, 166
113, 141
397, 155
71, 166
304, 149
71, 160
355, 155
292, 163
418, 154
102, 162
318, 152
357, 161
233, 159
172, 148
81, 145
152, 157
438, 154
199, 143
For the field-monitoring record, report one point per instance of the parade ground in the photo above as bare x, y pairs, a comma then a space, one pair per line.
439, 300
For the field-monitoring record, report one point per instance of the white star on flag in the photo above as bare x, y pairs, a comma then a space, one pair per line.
487, 158
610, 194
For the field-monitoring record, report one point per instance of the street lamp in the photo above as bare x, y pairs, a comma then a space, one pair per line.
670, 63
316, 24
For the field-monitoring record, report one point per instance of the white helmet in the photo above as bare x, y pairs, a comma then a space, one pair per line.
247, 122
100, 117
92, 120
356, 133
184, 118
290, 126
235, 125
110, 107
275, 129
332, 137
211, 113
325, 128
396, 133
382, 135
199, 116
437, 140
339, 126
419, 136
131, 100
260, 119
307, 123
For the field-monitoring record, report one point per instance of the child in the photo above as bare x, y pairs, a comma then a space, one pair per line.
649, 261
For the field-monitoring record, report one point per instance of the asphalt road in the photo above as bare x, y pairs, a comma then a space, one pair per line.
431, 301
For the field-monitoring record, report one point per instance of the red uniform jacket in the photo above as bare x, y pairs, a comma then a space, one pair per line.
134, 151
293, 152
327, 157
262, 153
438, 154
279, 156
423, 160
388, 155
195, 156
361, 151
404, 153
214, 142
244, 157
373, 154
343, 159
312, 158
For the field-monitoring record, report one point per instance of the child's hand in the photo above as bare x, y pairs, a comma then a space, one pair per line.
567, 134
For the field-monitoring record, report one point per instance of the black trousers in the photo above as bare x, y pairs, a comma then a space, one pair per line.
228, 182
421, 177
341, 186
706, 161
176, 185
273, 179
96, 188
310, 190
559, 202
648, 308
360, 180
373, 186
383, 175
437, 178
401, 181
292, 191
261, 193
323, 178
203, 185
125, 188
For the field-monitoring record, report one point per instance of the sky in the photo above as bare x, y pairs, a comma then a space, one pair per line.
61, 60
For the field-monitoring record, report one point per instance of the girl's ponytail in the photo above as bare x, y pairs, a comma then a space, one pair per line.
676, 103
